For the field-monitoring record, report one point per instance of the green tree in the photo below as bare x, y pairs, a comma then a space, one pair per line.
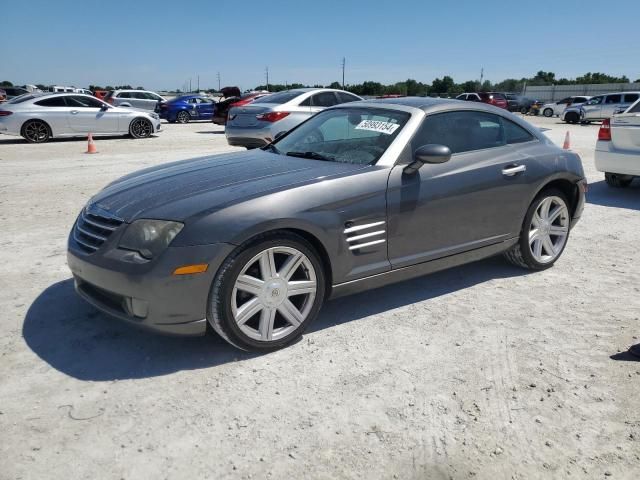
442, 85
6, 83
335, 85
598, 77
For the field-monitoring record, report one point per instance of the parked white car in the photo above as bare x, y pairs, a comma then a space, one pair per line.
141, 99
40, 116
555, 109
618, 147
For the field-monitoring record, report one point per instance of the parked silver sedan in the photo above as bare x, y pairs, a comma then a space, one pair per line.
39, 117
257, 124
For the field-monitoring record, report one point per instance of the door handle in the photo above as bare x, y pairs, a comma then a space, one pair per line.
74, 112
512, 170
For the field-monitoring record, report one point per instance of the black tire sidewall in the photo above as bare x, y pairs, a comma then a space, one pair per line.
29, 122
547, 110
219, 302
524, 234
138, 136
180, 115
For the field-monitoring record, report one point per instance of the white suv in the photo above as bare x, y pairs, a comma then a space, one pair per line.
141, 99
557, 108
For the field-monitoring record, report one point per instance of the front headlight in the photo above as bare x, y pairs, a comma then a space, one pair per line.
149, 237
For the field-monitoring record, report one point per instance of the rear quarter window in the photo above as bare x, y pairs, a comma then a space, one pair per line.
52, 102
514, 133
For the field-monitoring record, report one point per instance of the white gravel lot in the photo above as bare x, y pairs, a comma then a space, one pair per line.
483, 371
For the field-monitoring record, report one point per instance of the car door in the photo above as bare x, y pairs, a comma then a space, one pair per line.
204, 108
611, 102
473, 200
86, 115
591, 110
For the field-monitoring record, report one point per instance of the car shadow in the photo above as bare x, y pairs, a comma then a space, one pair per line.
78, 340
602, 194
628, 356
22, 141
212, 132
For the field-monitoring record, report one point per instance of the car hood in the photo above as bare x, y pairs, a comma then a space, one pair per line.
185, 189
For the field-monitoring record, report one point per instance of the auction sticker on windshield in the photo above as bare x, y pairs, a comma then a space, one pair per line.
377, 126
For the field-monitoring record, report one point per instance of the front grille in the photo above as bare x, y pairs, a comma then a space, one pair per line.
92, 229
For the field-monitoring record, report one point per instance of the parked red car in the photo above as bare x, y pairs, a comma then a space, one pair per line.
492, 98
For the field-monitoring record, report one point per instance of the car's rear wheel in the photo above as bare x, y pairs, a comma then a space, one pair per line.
547, 112
618, 181
140, 128
524, 110
571, 117
36, 131
183, 117
267, 293
544, 233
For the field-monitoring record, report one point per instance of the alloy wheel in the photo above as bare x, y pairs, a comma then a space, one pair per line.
274, 293
183, 117
141, 128
549, 229
36, 132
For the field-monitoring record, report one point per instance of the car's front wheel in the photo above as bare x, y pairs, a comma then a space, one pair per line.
544, 233
267, 293
571, 117
183, 117
618, 181
547, 112
140, 128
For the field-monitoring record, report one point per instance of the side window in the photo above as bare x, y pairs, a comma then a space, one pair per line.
635, 108
52, 102
461, 131
124, 95
324, 99
306, 102
346, 97
462, 97
193, 100
515, 133
564, 101
579, 100
595, 101
152, 96
205, 101
613, 99
630, 97
83, 102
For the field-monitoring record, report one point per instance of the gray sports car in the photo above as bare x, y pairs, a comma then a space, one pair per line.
358, 196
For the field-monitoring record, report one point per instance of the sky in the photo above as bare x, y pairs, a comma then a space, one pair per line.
162, 44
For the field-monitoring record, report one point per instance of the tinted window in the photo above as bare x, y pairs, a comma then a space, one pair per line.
52, 102
323, 99
635, 108
630, 97
462, 97
124, 95
306, 102
346, 97
461, 131
579, 100
613, 99
515, 133
83, 102
280, 97
564, 100
21, 98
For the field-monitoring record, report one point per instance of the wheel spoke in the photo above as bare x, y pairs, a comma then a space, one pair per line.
248, 310
290, 266
301, 287
268, 265
558, 231
537, 248
249, 284
535, 221
267, 318
544, 208
548, 245
533, 235
555, 212
291, 314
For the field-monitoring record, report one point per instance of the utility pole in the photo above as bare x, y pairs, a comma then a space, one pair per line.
218, 81
266, 72
344, 61
481, 76
198, 83
190, 90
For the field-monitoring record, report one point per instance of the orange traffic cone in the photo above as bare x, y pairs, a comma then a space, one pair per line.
567, 141
91, 147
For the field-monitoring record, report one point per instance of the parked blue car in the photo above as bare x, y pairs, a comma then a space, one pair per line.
187, 108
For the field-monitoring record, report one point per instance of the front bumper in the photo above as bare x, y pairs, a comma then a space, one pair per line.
621, 162
147, 294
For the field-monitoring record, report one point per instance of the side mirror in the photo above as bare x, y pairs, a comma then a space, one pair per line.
431, 153
104, 108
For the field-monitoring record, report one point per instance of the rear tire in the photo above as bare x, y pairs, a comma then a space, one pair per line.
251, 303
571, 117
36, 131
615, 180
547, 112
183, 117
544, 234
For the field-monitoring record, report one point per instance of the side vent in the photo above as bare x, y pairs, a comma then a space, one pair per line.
361, 236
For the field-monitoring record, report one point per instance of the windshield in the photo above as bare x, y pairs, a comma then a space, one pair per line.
346, 135
22, 98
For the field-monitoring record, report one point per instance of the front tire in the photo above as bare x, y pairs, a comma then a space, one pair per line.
36, 131
544, 233
183, 117
615, 180
571, 117
267, 293
547, 112
140, 128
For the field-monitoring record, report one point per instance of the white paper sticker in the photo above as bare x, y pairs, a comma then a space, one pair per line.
375, 126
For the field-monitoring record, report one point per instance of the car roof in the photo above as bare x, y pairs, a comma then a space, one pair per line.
423, 103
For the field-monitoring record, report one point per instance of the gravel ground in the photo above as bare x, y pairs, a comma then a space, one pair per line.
482, 371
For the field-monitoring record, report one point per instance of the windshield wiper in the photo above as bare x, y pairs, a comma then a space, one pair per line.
311, 155
272, 148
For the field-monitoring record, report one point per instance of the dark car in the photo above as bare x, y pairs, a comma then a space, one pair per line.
12, 92
186, 108
356, 197
223, 106
491, 98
